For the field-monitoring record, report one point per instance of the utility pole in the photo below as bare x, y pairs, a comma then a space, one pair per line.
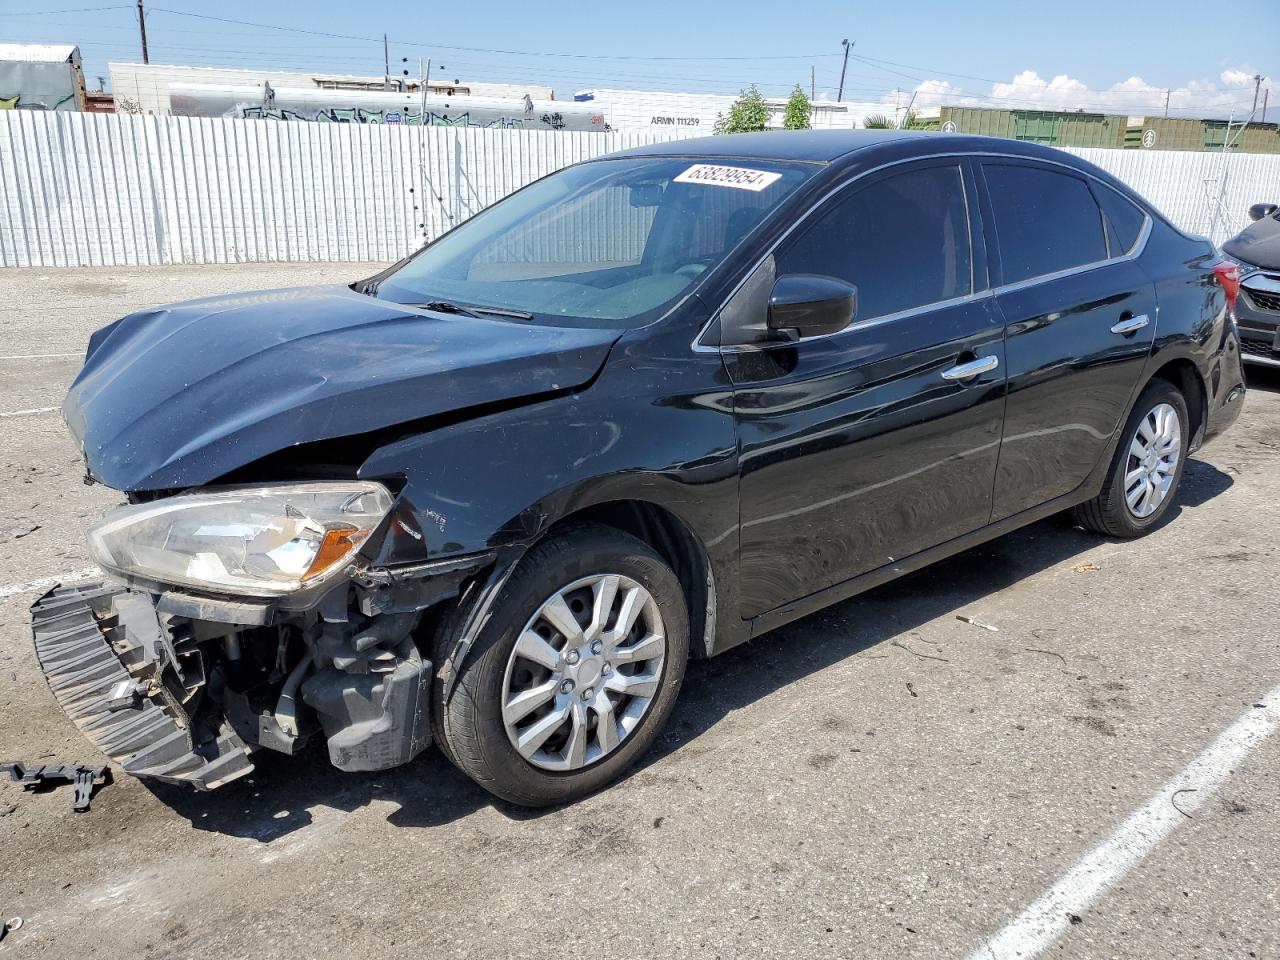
1265, 95
840, 92
386, 65
1166, 104
812, 85
142, 29
1257, 82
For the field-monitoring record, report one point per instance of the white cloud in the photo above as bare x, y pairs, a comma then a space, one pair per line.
1133, 96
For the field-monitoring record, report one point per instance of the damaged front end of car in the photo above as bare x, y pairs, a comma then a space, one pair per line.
240, 619
259, 590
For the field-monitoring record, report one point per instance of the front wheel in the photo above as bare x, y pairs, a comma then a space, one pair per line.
1142, 482
575, 672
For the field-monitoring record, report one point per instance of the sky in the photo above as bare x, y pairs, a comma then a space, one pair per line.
1118, 56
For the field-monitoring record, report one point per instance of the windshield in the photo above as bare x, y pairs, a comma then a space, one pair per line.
610, 243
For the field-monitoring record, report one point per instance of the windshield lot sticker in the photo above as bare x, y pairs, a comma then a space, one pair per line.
717, 176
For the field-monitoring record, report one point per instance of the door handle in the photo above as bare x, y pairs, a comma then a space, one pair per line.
963, 371
1129, 325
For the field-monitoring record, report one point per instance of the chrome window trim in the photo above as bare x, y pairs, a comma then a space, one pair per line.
1136, 251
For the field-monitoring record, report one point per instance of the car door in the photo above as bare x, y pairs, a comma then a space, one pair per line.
862, 447
1080, 316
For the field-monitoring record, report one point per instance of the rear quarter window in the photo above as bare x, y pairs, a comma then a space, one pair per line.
1045, 221
1123, 220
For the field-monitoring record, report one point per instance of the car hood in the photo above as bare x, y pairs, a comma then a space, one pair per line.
1258, 243
182, 395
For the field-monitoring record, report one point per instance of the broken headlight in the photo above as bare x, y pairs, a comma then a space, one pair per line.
256, 541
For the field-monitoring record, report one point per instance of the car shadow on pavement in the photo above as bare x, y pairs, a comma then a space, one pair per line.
284, 794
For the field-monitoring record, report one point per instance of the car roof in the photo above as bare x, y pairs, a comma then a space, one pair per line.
815, 146
828, 146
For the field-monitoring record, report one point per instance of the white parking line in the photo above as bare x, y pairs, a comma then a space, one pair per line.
13, 589
33, 411
1042, 923
39, 356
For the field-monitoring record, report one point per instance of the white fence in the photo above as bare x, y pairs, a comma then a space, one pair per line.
98, 190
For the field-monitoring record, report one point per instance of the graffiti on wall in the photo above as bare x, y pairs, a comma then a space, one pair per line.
406, 118
378, 108
37, 86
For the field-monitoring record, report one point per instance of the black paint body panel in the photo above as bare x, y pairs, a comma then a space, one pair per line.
804, 471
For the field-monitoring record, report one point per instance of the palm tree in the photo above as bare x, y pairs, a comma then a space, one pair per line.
878, 121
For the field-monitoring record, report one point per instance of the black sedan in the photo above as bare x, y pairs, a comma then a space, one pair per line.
644, 409
1256, 251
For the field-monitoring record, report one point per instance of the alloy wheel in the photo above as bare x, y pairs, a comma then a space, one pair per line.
584, 671
1152, 465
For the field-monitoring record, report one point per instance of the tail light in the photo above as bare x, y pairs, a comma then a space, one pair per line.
1228, 275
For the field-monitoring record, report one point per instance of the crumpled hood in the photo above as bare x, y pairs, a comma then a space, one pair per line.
1258, 243
181, 395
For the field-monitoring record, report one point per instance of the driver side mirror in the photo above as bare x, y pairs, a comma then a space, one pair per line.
806, 305
1260, 210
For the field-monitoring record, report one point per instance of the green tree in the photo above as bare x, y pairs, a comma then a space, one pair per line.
796, 115
747, 114
878, 121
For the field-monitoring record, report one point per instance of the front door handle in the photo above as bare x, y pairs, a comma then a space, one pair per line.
1129, 325
963, 371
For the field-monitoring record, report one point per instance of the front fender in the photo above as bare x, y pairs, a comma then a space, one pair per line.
659, 431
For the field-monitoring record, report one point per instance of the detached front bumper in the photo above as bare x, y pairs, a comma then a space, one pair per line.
186, 699
93, 641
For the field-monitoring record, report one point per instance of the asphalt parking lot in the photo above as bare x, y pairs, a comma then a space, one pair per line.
879, 780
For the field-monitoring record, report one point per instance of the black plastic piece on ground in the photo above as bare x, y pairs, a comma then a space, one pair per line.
84, 777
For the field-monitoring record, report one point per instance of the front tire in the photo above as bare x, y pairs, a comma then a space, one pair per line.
1142, 482
574, 674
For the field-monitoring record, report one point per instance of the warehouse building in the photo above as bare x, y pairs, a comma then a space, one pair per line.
1080, 129
145, 88
650, 110
41, 76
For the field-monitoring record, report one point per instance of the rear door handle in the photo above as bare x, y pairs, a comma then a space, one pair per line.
963, 371
1131, 324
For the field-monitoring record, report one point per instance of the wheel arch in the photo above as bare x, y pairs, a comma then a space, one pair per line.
677, 544
1183, 374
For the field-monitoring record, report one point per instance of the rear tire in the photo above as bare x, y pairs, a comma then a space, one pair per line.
1142, 481
602, 684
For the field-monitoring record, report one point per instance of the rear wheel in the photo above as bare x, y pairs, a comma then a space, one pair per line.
575, 672
1142, 482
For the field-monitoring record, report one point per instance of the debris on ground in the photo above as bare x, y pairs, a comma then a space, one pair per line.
84, 777
1049, 653
1173, 799
911, 689
977, 623
13, 923
1087, 567
914, 653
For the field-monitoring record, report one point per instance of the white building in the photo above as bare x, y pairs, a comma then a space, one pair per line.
645, 110
144, 88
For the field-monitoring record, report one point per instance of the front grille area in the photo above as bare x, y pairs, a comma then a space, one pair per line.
1257, 346
1264, 299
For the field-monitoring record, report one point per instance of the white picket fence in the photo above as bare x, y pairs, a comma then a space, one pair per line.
101, 190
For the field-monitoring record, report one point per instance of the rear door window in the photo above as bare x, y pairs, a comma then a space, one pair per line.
902, 241
1044, 221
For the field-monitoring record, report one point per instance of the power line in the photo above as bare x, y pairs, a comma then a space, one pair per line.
445, 46
49, 13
